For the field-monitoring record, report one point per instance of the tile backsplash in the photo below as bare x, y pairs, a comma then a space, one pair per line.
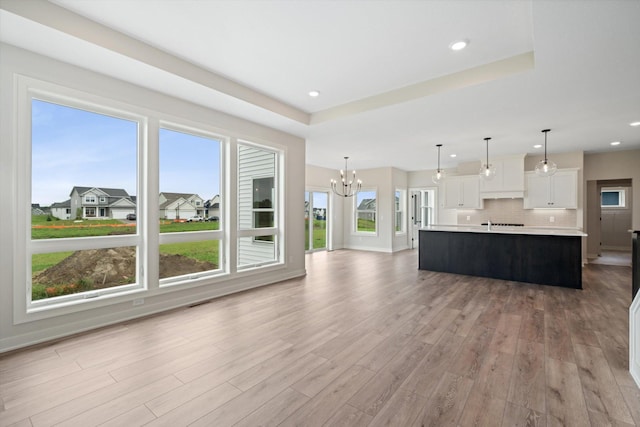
511, 211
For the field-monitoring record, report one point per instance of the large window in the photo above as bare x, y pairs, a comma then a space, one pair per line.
117, 203
189, 188
257, 206
365, 212
399, 218
80, 155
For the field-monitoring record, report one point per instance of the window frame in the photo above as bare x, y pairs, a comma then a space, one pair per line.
622, 197
276, 232
400, 208
356, 211
147, 236
197, 236
25, 309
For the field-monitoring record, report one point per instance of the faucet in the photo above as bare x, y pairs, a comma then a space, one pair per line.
489, 225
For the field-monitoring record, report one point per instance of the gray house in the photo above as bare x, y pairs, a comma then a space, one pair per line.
100, 203
180, 205
61, 210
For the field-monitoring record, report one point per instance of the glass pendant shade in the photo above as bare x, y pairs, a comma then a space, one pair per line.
546, 167
487, 170
438, 177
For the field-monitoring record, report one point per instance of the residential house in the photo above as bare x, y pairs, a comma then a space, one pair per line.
61, 210
180, 205
100, 203
212, 207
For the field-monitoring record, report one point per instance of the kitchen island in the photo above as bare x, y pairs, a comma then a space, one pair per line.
545, 256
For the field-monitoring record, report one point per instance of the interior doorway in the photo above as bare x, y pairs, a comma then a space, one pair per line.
609, 213
316, 206
423, 212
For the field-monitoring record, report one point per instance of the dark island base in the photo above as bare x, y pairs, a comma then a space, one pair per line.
541, 259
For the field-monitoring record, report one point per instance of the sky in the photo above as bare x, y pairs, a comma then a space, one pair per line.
72, 147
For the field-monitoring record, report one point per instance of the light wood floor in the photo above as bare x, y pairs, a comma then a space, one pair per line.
365, 339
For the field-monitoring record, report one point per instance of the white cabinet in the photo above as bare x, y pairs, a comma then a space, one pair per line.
559, 191
462, 192
508, 181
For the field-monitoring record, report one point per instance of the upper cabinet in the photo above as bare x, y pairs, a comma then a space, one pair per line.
508, 181
559, 191
462, 192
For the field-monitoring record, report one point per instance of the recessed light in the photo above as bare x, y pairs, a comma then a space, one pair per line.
452, 155
458, 44
537, 146
615, 143
314, 93
634, 124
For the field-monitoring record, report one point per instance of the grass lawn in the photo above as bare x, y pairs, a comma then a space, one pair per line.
366, 225
42, 228
205, 250
56, 229
40, 262
319, 234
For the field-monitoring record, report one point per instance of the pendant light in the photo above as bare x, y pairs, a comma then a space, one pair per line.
438, 177
487, 170
546, 167
348, 188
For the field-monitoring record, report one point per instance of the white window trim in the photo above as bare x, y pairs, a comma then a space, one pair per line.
622, 198
26, 310
147, 236
354, 217
197, 236
278, 207
403, 209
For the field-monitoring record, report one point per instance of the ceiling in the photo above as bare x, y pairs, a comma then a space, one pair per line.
390, 87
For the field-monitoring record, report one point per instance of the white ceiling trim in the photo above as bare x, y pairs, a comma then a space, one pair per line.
63, 20
472, 76
68, 22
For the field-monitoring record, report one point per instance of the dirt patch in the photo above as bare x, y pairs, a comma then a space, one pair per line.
105, 268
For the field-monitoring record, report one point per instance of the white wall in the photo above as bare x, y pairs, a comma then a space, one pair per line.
617, 165
15, 335
400, 180
385, 181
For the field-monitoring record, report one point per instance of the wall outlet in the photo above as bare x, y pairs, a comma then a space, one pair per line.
138, 301
552, 219
468, 217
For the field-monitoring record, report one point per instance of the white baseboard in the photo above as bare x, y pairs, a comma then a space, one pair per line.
617, 248
196, 297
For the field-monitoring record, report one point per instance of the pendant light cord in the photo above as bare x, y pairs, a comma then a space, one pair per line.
487, 140
545, 144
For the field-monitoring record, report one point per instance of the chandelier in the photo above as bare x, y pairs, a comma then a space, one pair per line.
348, 187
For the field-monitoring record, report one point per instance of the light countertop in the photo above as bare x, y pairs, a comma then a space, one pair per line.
498, 229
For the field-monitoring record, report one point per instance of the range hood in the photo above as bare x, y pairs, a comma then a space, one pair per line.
508, 183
